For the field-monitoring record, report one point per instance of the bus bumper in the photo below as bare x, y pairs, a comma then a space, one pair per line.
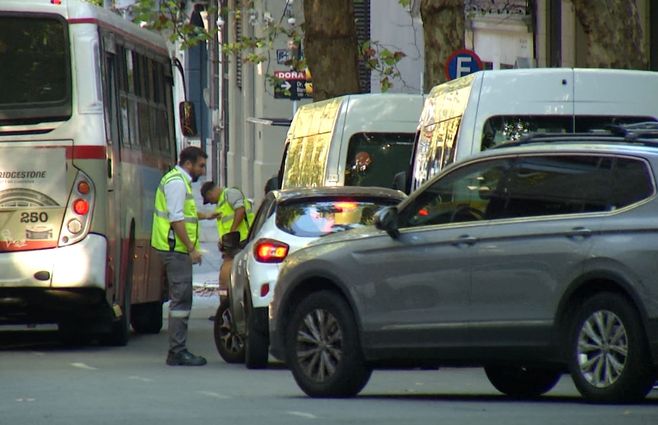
75, 288
81, 265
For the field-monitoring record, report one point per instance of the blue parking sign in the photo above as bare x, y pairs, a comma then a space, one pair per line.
462, 62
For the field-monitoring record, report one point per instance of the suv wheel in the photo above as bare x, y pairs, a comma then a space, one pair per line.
609, 358
229, 344
256, 341
521, 381
322, 347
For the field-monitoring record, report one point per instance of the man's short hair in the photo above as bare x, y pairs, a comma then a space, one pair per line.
205, 188
192, 154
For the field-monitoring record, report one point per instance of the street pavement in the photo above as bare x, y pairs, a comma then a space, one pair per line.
43, 382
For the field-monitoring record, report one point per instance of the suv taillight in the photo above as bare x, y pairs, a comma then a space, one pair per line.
270, 251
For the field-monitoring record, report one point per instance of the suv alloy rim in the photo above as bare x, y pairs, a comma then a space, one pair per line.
602, 348
231, 341
319, 345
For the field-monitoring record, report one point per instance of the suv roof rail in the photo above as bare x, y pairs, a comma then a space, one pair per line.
644, 133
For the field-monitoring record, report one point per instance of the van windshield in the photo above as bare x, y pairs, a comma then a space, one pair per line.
35, 77
373, 159
503, 128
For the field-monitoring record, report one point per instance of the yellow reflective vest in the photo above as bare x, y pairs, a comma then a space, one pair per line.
225, 220
163, 237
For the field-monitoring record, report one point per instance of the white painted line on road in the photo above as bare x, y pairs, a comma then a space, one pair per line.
214, 395
139, 378
83, 366
28, 400
302, 414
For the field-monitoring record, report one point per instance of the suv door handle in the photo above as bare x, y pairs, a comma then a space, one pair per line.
465, 240
579, 232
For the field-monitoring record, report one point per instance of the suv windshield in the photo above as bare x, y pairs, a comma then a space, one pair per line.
313, 218
35, 76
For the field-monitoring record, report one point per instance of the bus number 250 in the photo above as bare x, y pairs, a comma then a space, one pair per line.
34, 217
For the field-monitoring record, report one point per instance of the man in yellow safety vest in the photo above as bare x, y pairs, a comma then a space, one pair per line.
234, 216
175, 234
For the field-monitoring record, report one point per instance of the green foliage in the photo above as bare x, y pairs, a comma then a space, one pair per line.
96, 2
382, 61
170, 18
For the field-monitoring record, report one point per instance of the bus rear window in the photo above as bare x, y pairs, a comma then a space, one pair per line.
314, 218
35, 77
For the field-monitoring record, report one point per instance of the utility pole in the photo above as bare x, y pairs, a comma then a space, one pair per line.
213, 87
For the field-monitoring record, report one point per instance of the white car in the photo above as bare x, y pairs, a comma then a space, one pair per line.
286, 221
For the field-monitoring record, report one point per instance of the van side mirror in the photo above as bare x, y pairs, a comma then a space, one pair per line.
387, 219
400, 182
187, 118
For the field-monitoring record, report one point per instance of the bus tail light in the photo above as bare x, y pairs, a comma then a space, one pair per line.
81, 206
270, 251
83, 187
77, 218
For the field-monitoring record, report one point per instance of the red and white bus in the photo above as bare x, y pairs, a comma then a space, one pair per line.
86, 132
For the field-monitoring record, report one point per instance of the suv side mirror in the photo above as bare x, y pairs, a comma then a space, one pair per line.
187, 118
272, 184
387, 219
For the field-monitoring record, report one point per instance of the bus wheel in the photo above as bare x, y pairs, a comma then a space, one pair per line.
71, 333
147, 318
120, 328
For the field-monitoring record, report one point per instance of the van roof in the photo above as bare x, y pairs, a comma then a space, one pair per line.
365, 98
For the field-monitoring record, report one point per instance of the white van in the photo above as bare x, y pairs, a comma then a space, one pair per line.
478, 111
352, 140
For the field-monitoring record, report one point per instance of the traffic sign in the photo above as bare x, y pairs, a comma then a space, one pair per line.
283, 56
292, 85
462, 62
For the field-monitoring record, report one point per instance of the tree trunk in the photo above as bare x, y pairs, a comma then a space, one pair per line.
330, 47
443, 29
614, 34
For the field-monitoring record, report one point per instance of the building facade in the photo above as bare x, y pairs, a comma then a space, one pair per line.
504, 34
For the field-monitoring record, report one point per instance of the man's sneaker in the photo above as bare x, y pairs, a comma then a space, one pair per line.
185, 358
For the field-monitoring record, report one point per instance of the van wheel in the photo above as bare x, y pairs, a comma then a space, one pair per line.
609, 357
521, 381
323, 349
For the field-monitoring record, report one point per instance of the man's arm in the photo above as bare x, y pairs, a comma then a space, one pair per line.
239, 216
236, 199
207, 216
179, 229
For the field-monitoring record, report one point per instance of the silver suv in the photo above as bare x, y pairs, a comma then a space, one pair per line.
531, 261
